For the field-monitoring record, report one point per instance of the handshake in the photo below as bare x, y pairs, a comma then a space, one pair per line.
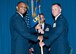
41, 39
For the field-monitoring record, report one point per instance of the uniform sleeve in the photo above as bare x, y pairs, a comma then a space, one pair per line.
47, 33
21, 29
58, 30
33, 30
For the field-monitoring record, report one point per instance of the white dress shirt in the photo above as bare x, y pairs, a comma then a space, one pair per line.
20, 14
42, 26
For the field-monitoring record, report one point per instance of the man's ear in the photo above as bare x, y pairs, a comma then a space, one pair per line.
16, 7
44, 18
60, 10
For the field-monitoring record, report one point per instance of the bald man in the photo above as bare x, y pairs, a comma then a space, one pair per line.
20, 34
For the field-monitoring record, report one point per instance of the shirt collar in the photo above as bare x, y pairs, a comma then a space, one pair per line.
43, 26
20, 14
57, 16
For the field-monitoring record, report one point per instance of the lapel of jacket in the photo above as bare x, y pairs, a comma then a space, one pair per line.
45, 25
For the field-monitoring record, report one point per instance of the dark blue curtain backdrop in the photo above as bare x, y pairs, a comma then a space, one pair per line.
7, 9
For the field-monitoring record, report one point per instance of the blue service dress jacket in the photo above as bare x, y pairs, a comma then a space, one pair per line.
58, 39
20, 35
37, 49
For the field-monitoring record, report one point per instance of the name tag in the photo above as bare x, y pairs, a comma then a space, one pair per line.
54, 25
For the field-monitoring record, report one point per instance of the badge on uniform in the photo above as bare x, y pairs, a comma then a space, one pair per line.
54, 25
47, 29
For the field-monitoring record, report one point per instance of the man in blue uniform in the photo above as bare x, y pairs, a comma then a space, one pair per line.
20, 34
58, 40
45, 29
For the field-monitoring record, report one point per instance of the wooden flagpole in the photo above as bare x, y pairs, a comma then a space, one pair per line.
40, 40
